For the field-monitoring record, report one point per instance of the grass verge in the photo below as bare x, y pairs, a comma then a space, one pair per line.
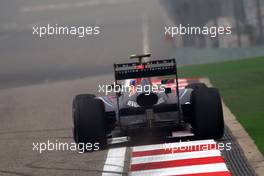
241, 84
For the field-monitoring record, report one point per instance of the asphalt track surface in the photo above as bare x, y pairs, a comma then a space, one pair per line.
38, 113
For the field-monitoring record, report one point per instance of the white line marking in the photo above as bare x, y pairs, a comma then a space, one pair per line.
175, 156
171, 145
206, 168
178, 41
145, 32
114, 164
145, 41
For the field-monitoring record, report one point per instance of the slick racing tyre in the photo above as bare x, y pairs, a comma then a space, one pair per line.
208, 121
89, 121
77, 97
196, 86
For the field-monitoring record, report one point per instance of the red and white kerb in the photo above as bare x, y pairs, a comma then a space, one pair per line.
194, 158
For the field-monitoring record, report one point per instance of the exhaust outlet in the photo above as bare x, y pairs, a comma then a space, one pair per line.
147, 100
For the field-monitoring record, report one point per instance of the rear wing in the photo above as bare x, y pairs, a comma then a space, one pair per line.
145, 69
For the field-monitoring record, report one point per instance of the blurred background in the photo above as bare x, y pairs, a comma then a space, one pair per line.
127, 27
245, 17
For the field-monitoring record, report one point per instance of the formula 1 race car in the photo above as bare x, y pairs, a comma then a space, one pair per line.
139, 106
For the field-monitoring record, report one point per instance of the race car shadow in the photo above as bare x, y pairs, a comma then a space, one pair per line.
180, 134
146, 140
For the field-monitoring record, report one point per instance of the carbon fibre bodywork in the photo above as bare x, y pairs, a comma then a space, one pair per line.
158, 110
164, 113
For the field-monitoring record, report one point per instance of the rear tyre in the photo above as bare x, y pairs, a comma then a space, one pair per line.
208, 121
77, 97
196, 86
89, 121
